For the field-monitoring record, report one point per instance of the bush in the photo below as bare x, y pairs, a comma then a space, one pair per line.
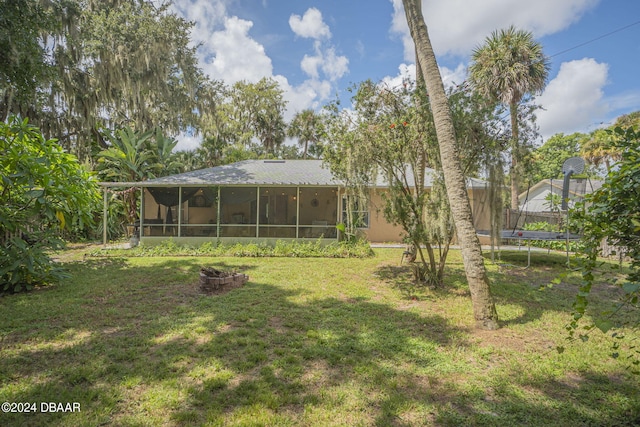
24, 266
555, 245
344, 249
43, 192
541, 226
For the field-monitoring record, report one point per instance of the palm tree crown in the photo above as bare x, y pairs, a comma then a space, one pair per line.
510, 65
307, 127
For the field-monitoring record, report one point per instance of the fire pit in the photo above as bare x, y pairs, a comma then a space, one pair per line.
212, 279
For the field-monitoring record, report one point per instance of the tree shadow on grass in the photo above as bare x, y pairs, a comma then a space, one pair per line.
507, 288
151, 349
511, 285
534, 290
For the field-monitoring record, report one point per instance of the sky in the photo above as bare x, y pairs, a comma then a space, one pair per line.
317, 50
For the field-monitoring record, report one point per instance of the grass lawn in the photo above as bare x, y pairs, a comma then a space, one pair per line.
315, 342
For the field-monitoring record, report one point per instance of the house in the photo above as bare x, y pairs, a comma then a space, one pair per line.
265, 200
538, 197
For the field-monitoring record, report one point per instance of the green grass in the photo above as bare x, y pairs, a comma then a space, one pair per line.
307, 341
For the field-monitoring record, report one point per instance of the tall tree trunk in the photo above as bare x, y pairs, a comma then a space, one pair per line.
515, 157
484, 309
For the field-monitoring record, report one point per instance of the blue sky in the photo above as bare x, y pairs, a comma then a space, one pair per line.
317, 49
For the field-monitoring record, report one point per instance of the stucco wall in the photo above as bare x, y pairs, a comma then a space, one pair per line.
381, 231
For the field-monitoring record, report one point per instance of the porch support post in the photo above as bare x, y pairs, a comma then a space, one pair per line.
298, 212
104, 217
142, 213
257, 212
179, 211
218, 216
338, 213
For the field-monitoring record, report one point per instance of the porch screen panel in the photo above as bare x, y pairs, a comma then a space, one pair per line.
278, 212
238, 211
318, 212
201, 214
161, 210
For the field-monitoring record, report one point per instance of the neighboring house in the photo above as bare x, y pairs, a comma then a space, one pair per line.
537, 198
262, 200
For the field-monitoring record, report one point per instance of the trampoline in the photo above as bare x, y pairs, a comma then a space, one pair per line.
528, 236
571, 166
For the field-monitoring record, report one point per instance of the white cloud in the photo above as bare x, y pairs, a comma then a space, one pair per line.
408, 72
227, 52
405, 73
574, 99
187, 142
309, 94
457, 26
205, 14
237, 55
453, 77
324, 63
310, 25
311, 64
334, 66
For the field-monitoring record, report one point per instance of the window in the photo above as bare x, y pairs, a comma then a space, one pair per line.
359, 213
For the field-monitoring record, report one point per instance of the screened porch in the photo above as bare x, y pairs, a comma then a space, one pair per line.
239, 212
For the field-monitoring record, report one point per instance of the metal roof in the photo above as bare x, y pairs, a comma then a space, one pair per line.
266, 172
535, 198
255, 172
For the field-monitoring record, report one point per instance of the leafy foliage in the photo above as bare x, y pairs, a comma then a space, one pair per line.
23, 58
600, 148
352, 249
135, 156
391, 134
43, 190
613, 213
247, 112
94, 64
389, 138
556, 245
547, 160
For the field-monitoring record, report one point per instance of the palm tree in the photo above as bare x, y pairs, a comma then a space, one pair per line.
128, 159
306, 126
188, 160
600, 149
270, 129
509, 66
628, 120
484, 309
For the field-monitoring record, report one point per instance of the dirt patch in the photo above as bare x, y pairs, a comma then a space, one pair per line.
507, 339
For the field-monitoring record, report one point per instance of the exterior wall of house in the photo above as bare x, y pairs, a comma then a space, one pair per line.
480, 208
379, 229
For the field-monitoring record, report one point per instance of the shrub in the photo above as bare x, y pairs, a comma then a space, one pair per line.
344, 249
43, 192
25, 265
